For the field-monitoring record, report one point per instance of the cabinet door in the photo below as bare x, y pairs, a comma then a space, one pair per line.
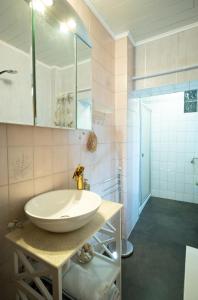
55, 67
16, 104
84, 83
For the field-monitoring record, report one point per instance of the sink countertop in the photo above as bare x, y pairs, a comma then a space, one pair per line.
56, 248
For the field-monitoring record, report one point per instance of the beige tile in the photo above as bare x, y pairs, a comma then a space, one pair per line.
42, 161
7, 288
88, 157
109, 97
161, 55
187, 47
100, 34
121, 134
60, 137
187, 76
140, 60
42, 185
3, 166
121, 83
7, 285
98, 93
121, 117
83, 11
20, 164
98, 71
3, 207
139, 84
43, 136
60, 181
121, 150
109, 64
6, 250
20, 135
74, 156
121, 66
121, 100
121, 47
19, 194
161, 80
3, 135
60, 159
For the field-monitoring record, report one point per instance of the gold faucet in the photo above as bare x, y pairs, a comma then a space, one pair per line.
78, 176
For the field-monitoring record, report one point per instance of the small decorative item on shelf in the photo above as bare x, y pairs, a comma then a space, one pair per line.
92, 142
85, 254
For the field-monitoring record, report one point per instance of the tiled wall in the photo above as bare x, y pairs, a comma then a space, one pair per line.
174, 143
165, 54
35, 160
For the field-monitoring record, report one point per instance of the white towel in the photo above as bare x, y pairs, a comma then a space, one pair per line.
82, 286
114, 293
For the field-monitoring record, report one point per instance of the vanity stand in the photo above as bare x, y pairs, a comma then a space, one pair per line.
52, 251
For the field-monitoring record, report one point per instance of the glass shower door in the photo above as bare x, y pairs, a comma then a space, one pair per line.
145, 154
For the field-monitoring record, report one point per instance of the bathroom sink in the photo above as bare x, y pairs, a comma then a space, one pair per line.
63, 210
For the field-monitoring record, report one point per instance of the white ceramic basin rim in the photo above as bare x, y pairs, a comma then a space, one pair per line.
64, 210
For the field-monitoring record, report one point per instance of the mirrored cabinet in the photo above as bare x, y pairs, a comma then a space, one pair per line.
16, 104
84, 95
45, 64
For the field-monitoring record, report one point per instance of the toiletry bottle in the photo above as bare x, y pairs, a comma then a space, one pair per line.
86, 185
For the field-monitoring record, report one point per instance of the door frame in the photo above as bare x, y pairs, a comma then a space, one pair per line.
142, 205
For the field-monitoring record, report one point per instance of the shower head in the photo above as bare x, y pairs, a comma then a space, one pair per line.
9, 72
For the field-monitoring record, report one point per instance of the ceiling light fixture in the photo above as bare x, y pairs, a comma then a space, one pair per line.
63, 27
38, 6
48, 2
71, 24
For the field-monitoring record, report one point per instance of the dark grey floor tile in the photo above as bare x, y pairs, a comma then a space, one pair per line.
156, 269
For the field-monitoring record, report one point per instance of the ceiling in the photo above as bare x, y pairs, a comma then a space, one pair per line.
145, 18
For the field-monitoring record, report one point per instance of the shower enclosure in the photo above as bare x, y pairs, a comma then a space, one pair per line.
168, 143
145, 154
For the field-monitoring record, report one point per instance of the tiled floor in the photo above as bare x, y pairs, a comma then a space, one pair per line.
156, 269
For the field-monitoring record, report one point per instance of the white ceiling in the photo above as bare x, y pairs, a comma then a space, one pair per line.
145, 18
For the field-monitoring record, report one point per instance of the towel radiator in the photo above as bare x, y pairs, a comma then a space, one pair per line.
110, 186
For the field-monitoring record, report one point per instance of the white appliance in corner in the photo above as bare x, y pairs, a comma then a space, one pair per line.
191, 274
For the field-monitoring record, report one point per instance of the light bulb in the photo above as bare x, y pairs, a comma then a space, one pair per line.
48, 2
38, 5
115, 255
63, 27
71, 24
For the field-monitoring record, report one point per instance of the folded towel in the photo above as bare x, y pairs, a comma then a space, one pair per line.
82, 285
114, 293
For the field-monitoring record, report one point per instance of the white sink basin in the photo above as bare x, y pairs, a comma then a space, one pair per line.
63, 211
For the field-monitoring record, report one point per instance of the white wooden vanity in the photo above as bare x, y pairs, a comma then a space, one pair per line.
54, 250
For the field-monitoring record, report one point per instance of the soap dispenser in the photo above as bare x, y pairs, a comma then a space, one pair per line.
86, 185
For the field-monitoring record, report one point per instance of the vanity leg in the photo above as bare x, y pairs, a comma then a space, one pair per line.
57, 284
119, 251
16, 271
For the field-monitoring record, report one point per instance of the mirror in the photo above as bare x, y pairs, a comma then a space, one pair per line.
16, 104
84, 94
60, 55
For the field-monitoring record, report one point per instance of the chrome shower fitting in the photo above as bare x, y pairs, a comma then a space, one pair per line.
9, 72
194, 160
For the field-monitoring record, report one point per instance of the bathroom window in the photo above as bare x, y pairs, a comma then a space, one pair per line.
190, 101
